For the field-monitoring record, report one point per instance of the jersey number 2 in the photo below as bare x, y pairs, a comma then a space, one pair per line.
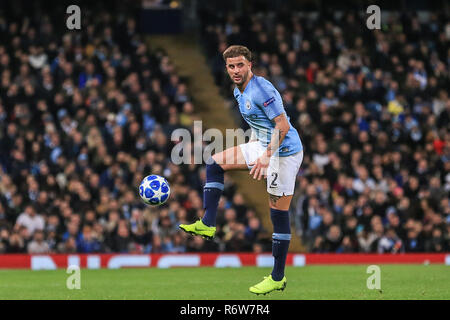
273, 184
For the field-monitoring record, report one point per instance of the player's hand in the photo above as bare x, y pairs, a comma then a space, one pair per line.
260, 166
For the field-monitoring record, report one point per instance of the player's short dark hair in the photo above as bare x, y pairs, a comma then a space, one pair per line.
236, 51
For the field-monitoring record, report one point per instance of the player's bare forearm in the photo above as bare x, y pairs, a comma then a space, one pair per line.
279, 133
259, 169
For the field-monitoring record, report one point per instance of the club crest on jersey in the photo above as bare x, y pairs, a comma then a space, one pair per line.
248, 105
269, 102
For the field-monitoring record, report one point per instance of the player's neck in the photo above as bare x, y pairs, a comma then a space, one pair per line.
244, 85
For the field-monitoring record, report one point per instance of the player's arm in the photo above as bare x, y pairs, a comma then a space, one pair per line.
259, 169
278, 135
270, 102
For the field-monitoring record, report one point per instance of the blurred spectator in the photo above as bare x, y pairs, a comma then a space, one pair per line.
38, 245
30, 220
16, 244
333, 239
253, 229
121, 242
390, 242
68, 246
88, 243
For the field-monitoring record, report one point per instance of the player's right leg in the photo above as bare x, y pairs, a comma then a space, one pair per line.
230, 159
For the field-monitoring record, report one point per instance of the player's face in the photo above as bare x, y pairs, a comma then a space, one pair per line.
238, 69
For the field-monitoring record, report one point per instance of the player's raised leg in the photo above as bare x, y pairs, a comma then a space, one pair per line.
230, 159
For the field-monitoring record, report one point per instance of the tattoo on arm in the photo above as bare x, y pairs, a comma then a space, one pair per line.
280, 132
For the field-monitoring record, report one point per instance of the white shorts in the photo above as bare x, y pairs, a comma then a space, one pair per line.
282, 171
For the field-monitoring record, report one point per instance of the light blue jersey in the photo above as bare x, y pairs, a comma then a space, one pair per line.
259, 104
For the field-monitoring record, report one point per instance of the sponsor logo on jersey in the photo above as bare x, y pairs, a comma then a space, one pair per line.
269, 102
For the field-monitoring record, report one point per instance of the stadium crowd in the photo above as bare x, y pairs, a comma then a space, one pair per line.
372, 109
84, 116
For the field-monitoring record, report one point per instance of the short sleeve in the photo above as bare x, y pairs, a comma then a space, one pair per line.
267, 98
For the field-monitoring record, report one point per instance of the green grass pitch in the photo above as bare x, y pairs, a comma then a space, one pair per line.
304, 283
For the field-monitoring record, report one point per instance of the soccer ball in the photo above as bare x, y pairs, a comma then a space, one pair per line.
154, 190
